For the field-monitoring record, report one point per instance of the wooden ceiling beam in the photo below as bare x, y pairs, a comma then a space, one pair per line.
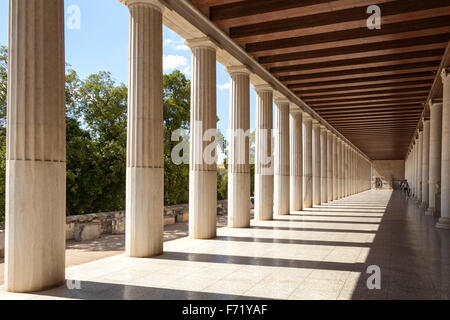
389, 32
211, 3
419, 97
368, 72
356, 55
372, 93
366, 80
347, 108
393, 12
239, 14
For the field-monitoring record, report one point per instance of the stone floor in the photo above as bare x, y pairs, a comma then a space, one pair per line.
320, 253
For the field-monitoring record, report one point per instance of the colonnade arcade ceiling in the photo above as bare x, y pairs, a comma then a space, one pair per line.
372, 85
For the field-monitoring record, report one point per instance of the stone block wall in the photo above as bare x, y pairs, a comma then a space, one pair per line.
91, 226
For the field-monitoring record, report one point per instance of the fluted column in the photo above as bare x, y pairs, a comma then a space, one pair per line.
323, 165
339, 168
346, 162
282, 176
145, 151
296, 160
316, 163
239, 153
425, 162
263, 153
203, 166
36, 147
435, 154
419, 167
307, 161
415, 169
335, 168
444, 221
329, 166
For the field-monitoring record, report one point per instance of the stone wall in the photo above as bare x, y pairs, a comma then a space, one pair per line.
391, 172
91, 226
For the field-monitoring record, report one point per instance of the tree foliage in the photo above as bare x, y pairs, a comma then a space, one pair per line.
96, 137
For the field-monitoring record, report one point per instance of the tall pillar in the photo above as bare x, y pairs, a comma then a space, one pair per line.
415, 169
339, 169
282, 176
307, 161
435, 154
346, 167
36, 147
419, 168
425, 162
145, 149
316, 163
329, 166
323, 164
444, 221
239, 153
263, 153
203, 167
296, 160
335, 169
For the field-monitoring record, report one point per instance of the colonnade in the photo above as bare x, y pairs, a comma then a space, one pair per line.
309, 165
427, 167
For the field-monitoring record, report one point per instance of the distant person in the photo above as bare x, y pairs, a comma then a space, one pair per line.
405, 187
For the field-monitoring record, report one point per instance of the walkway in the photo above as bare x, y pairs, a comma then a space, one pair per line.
321, 253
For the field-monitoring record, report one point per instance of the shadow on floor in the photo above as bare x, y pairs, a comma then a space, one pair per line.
89, 290
413, 256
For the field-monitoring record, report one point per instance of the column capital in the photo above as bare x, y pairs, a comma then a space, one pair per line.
203, 42
281, 100
323, 128
435, 101
445, 73
238, 69
263, 87
157, 4
306, 116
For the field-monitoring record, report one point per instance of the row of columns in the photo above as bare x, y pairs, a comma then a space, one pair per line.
428, 162
311, 165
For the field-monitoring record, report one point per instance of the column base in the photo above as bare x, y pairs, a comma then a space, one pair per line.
263, 197
145, 212
281, 195
430, 212
35, 239
295, 198
424, 205
203, 204
443, 223
238, 200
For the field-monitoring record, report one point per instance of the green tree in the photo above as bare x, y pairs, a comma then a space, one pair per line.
177, 97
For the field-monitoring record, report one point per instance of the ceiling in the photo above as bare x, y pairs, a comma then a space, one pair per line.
371, 85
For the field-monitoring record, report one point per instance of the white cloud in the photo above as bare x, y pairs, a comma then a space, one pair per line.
181, 47
187, 71
174, 62
225, 86
167, 42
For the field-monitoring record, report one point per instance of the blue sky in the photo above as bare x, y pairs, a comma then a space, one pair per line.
101, 44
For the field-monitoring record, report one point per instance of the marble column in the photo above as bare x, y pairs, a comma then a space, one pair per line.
282, 175
316, 158
296, 159
263, 153
36, 147
329, 166
335, 168
339, 169
323, 165
444, 221
203, 166
346, 171
239, 148
145, 136
307, 161
435, 154
419, 167
425, 162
